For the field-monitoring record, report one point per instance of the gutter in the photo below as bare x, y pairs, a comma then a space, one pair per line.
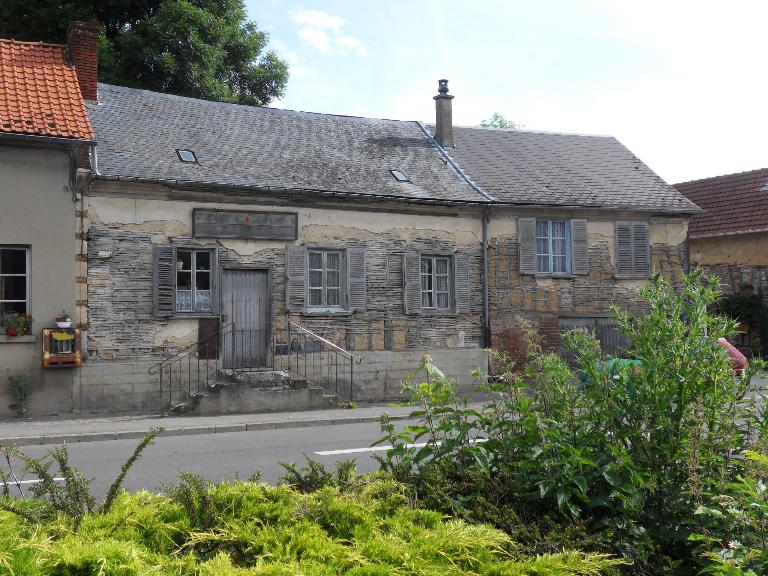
486, 316
50, 140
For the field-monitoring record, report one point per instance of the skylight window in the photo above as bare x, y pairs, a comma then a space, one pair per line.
187, 156
399, 176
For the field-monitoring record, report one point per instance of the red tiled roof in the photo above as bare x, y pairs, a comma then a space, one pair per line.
39, 93
732, 204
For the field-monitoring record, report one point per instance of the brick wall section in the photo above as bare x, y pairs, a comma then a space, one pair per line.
120, 296
83, 46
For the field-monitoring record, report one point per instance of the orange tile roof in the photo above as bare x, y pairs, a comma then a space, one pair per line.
39, 93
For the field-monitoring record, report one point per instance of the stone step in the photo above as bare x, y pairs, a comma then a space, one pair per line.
274, 380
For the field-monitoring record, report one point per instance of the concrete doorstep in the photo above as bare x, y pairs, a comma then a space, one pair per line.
97, 429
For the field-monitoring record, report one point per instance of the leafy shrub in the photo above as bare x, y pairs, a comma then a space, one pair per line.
260, 530
20, 387
73, 499
626, 454
314, 476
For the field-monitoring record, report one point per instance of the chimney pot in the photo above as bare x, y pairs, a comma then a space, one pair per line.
443, 115
83, 52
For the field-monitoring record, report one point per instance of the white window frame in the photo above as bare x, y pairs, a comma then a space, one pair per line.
27, 275
193, 271
429, 293
324, 287
550, 253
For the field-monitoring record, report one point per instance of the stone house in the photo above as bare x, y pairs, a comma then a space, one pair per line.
730, 239
227, 241
44, 129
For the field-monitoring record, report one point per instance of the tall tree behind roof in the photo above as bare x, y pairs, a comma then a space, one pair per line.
200, 48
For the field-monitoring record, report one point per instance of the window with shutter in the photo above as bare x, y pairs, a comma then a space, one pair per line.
526, 242
295, 271
633, 251
462, 282
579, 246
412, 282
185, 281
357, 295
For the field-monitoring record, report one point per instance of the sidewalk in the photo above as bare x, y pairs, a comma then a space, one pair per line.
94, 429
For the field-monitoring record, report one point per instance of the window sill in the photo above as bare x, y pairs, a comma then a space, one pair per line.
555, 276
440, 313
28, 339
191, 315
641, 277
326, 312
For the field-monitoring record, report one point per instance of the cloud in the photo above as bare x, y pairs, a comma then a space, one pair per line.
323, 32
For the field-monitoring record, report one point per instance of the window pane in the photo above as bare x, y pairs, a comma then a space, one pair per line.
184, 300
426, 282
183, 260
202, 299
183, 280
426, 266
542, 246
315, 296
441, 266
558, 229
542, 228
332, 260
8, 308
558, 247
332, 278
559, 264
13, 287
542, 263
316, 279
442, 300
333, 296
203, 281
426, 300
316, 260
13, 261
203, 260
441, 283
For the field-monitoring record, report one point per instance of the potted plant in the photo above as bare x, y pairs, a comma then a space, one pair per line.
63, 320
18, 324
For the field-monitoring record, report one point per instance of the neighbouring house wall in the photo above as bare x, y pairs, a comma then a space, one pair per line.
556, 304
37, 212
739, 261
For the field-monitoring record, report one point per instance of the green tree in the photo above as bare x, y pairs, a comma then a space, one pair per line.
497, 120
199, 48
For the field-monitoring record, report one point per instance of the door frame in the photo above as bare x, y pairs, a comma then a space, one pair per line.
223, 268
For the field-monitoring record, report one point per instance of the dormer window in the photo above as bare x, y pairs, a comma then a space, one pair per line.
186, 156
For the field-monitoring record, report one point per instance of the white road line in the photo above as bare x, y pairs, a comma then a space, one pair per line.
380, 448
13, 483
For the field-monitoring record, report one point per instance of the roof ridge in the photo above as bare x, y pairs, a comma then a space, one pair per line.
721, 176
33, 43
529, 131
250, 107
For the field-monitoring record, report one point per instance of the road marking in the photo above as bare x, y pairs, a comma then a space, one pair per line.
14, 483
381, 448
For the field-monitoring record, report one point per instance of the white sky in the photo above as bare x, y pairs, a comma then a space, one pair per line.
681, 83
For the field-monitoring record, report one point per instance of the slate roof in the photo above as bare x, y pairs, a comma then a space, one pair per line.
733, 204
244, 146
39, 92
526, 167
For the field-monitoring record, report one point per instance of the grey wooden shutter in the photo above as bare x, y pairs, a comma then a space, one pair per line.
462, 282
412, 282
295, 281
215, 295
164, 281
356, 279
579, 251
623, 249
526, 243
641, 250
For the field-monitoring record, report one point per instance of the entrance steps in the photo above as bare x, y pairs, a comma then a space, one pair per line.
256, 392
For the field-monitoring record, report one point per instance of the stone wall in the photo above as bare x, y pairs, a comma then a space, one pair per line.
546, 301
123, 233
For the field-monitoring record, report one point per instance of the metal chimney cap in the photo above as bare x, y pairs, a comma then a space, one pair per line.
442, 86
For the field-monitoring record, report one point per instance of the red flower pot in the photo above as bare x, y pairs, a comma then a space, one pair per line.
10, 331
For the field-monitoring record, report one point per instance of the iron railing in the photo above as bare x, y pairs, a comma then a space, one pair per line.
232, 350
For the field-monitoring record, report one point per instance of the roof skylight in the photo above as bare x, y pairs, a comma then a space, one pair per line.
186, 156
399, 176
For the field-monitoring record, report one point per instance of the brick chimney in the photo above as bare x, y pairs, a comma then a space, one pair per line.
83, 51
444, 115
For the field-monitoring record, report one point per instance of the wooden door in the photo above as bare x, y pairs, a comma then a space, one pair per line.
245, 305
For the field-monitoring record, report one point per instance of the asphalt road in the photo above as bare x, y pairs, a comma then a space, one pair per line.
217, 456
